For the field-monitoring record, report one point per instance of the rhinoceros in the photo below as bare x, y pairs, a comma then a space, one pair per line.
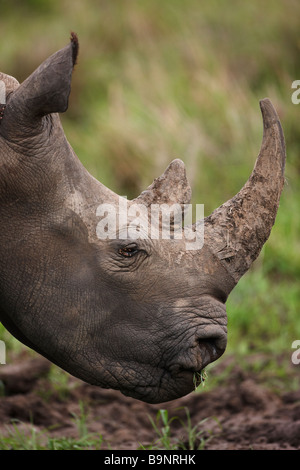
138, 314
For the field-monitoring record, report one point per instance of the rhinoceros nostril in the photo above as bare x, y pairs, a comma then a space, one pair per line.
211, 348
208, 345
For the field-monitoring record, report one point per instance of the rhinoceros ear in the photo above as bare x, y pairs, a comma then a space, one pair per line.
46, 90
172, 187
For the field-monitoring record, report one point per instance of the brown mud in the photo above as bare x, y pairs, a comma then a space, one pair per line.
241, 413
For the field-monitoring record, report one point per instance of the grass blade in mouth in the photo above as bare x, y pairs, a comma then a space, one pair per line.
199, 378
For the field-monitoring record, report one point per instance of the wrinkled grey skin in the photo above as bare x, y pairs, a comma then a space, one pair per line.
141, 324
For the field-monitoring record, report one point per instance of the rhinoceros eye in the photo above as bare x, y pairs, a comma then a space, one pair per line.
128, 251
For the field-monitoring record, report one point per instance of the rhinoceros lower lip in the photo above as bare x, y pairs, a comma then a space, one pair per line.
169, 387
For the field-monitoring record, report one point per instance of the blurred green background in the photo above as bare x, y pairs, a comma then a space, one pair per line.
157, 80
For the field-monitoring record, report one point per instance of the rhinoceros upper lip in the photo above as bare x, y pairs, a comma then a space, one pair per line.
200, 354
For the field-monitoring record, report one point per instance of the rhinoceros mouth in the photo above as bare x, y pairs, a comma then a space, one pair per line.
179, 379
169, 387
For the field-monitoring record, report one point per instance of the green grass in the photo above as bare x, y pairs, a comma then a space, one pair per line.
199, 378
34, 439
159, 80
172, 433
189, 437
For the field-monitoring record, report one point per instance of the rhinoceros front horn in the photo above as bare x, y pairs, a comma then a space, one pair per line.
236, 232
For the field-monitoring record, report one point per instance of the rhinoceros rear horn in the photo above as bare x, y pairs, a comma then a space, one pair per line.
238, 229
46, 90
172, 187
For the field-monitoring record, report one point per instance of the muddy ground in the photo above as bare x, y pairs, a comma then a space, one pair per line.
243, 412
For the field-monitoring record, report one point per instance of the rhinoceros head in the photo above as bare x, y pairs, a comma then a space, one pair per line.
88, 279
